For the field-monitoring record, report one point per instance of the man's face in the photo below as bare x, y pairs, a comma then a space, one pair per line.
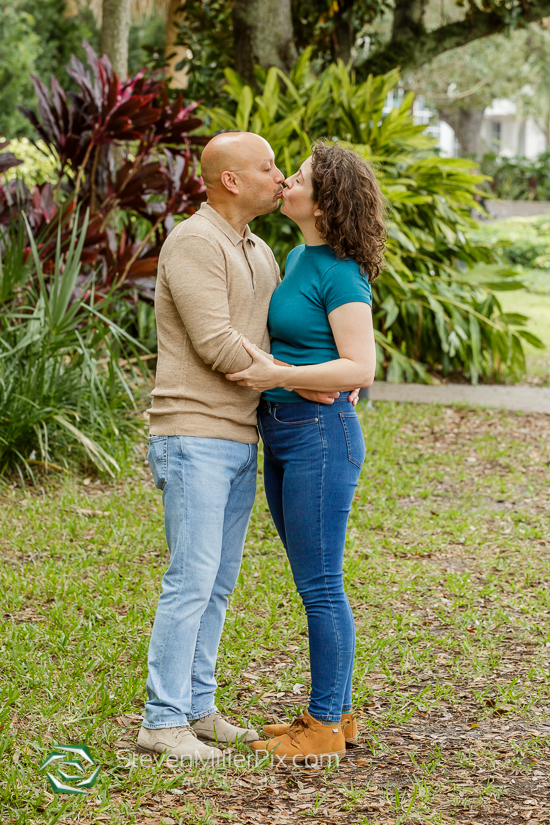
261, 181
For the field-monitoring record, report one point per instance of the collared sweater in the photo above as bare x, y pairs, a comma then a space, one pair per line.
213, 288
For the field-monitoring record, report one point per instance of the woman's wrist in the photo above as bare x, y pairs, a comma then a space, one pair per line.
285, 379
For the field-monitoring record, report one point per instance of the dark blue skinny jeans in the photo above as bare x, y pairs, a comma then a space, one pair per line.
313, 455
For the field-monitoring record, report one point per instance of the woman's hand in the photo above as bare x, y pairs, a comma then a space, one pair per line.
261, 375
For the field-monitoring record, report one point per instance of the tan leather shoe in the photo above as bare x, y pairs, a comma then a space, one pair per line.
214, 728
306, 740
349, 726
180, 742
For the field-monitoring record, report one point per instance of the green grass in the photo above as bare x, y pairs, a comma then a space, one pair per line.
536, 306
525, 243
447, 569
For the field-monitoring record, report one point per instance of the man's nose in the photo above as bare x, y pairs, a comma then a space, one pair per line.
279, 177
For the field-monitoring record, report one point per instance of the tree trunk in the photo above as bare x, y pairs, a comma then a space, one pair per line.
175, 53
343, 34
263, 35
408, 17
466, 124
115, 30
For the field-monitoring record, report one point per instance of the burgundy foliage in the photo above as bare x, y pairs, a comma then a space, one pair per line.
127, 152
7, 159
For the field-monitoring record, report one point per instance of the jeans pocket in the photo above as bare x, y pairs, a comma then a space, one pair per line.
355, 440
158, 459
296, 414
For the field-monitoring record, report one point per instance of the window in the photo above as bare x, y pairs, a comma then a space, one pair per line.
496, 135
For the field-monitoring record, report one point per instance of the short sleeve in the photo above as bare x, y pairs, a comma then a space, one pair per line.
344, 284
292, 254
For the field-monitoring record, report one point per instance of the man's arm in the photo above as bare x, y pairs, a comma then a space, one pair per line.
196, 276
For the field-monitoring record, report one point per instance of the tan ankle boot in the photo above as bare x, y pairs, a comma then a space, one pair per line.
306, 740
349, 726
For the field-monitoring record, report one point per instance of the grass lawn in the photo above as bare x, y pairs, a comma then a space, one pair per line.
534, 303
525, 243
447, 571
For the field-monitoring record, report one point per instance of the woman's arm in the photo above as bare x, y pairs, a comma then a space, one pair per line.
352, 328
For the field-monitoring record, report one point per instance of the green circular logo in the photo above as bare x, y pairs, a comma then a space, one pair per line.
65, 782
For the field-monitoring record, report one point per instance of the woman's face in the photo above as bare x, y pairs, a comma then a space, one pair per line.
297, 199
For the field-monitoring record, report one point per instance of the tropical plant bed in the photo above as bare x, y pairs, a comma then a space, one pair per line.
437, 305
447, 570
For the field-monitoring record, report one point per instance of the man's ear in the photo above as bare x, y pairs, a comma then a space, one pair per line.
229, 180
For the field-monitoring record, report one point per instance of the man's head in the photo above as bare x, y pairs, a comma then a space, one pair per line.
239, 171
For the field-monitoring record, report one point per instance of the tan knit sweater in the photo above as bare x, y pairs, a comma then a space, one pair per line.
213, 288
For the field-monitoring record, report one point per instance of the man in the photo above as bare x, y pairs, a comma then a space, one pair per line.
215, 281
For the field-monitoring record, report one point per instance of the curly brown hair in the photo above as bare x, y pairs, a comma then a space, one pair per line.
352, 220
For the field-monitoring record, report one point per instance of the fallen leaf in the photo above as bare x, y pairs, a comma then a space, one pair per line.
82, 511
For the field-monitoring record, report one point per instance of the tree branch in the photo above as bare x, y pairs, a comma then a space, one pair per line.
411, 45
451, 98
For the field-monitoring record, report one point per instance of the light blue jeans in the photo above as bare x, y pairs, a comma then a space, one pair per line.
208, 487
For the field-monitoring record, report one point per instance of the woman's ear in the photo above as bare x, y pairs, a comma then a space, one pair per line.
317, 213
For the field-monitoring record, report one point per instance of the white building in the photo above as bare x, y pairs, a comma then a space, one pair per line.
503, 129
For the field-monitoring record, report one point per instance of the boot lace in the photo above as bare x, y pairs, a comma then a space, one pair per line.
299, 726
182, 732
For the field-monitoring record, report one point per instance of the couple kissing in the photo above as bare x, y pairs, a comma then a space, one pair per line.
240, 351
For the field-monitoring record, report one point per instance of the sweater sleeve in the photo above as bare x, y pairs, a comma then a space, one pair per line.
197, 279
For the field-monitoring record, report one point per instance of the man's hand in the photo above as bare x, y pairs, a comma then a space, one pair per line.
327, 397
318, 397
261, 375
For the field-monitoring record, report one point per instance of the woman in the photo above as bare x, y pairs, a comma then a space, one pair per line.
320, 322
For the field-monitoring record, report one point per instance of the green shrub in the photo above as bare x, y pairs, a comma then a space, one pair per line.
39, 162
521, 241
519, 178
64, 398
435, 307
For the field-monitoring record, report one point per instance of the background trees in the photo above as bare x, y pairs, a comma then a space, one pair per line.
123, 167
198, 39
462, 82
39, 36
376, 35
436, 304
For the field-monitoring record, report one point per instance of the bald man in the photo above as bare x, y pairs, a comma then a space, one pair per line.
214, 285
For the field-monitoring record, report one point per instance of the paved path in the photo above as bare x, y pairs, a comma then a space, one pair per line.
518, 397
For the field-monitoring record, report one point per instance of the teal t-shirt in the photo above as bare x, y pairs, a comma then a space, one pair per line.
315, 283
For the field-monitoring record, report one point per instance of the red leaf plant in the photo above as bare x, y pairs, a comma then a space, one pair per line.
127, 152
7, 159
